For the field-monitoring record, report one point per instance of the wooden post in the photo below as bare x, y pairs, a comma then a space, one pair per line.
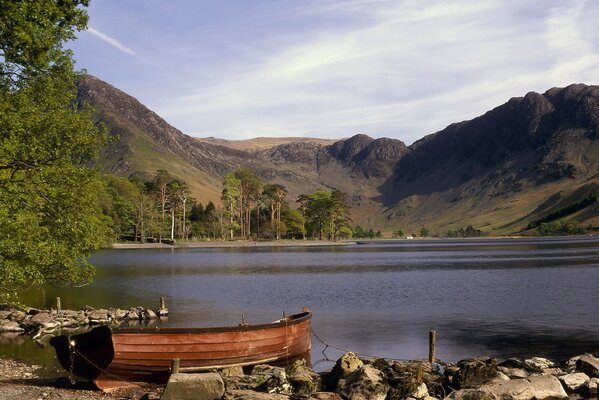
58, 307
162, 303
432, 337
175, 366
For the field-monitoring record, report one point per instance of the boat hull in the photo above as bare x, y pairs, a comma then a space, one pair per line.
104, 354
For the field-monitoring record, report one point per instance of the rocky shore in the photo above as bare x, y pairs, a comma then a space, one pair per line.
351, 378
40, 322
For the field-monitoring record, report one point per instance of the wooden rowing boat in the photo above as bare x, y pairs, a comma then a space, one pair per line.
109, 356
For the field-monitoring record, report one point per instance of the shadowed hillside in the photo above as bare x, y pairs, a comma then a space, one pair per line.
531, 159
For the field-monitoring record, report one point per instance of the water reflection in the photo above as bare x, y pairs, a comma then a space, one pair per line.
492, 297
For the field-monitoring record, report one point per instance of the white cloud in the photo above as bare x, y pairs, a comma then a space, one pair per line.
111, 41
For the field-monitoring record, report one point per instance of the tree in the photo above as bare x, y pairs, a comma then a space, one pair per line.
249, 192
424, 232
326, 212
230, 196
49, 217
275, 194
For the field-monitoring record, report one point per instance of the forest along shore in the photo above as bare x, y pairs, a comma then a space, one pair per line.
233, 243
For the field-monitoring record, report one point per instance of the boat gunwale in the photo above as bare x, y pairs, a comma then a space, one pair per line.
289, 320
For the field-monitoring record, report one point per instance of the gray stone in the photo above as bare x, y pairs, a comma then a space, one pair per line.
574, 382
251, 395
232, 371
4, 314
41, 318
471, 394
132, 315
475, 372
324, 396
589, 365
515, 389
271, 379
538, 364
547, 387
346, 365
367, 383
10, 326
303, 380
208, 386
17, 315
593, 386
515, 373
149, 314
421, 392
98, 317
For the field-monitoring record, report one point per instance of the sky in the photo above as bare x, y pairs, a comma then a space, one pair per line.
332, 69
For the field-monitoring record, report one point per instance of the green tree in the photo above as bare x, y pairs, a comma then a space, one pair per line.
424, 232
50, 219
230, 196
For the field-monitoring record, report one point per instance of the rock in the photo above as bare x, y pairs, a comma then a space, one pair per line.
475, 372
547, 387
4, 314
132, 315
515, 373
501, 377
589, 365
162, 312
574, 382
10, 326
471, 394
41, 318
421, 392
538, 364
346, 365
231, 371
593, 386
324, 396
119, 314
149, 314
515, 389
17, 315
251, 395
98, 317
207, 386
271, 379
303, 380
513, 363
88, 308
367, 383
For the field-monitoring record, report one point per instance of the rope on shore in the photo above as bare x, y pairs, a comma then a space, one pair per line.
363, 355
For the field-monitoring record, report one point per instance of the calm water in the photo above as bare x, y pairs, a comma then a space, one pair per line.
498, 298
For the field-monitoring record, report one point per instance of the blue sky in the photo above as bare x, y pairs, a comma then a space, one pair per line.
401, 69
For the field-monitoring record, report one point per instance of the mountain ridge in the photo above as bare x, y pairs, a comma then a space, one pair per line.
493, 171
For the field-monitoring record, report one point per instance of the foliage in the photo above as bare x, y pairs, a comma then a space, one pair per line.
325, 213
424, 232
564, 211
470, 231
558, 228
50, 218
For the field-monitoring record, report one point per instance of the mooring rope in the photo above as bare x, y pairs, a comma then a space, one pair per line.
363, 355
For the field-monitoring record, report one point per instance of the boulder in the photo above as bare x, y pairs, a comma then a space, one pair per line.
251, 395
4, 314
132, 315
475, 372
588, 365
17, 315
231, 371
515, 389
593, 387
41, 318
271, 379
547, 387
538, 364
471, 394
515, 373
10, 326
208, 386
303, 380
574, 382
367, 383
98, 317
149, 314
324, 396
346, 365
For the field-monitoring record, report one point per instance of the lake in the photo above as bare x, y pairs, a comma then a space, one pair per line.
492, 297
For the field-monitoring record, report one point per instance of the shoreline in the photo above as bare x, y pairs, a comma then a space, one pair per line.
233, 244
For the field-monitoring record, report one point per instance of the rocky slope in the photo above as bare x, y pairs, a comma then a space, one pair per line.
531, 157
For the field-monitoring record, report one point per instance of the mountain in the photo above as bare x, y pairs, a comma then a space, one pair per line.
498, 171
532, 157
142, 142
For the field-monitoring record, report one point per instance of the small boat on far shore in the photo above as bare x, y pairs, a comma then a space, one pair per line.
112, 356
